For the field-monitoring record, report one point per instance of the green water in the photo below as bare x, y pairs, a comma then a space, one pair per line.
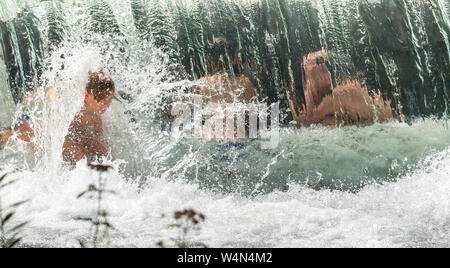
358, 186
346, 158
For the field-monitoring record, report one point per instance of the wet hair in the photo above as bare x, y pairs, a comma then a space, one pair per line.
100, 85
218, 47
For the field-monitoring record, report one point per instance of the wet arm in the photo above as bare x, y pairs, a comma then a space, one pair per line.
5, 134
23, 130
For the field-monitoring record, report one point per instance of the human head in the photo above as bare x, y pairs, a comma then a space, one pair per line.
100, 92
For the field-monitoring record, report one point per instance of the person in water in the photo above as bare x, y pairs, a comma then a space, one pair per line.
85, 136
348, 102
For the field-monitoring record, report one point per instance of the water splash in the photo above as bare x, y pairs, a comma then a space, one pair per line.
412, 212
316, 189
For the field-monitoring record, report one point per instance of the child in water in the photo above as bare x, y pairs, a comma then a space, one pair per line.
85, 137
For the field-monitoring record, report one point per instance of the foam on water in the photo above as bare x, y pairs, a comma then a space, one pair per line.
411, 212
380, 185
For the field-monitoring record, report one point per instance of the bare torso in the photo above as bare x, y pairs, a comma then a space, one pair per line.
85, 139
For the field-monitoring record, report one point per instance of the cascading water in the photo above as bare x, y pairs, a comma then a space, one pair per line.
6, 103
378, 185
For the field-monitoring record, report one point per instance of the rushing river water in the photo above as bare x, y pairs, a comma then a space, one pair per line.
353, 186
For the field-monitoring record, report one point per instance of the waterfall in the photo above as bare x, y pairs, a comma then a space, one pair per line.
400, 47
22, 48
361, 184
57, 25
6, 103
